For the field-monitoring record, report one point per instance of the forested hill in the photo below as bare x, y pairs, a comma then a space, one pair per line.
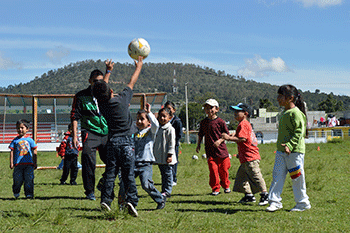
202, 83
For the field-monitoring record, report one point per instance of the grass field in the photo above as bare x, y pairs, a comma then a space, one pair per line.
59, 208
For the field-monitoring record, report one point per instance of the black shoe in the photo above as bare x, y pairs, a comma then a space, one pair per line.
247, 199
264, 199
63, 183
161, 205
73, 183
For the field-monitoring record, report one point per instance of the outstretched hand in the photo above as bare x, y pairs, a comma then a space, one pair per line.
148, 108
109, 64
139, 62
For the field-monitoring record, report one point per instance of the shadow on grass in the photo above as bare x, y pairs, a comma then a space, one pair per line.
219, 210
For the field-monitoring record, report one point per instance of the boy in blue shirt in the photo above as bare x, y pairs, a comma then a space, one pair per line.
23, 158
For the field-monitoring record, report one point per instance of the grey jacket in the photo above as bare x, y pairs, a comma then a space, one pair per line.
164, 144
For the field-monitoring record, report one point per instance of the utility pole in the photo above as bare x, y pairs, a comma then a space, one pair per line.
187, 126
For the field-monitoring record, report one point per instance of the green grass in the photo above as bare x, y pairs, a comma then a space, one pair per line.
190, 209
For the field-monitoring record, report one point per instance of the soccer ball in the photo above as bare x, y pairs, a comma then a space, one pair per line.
195, 157
138, 47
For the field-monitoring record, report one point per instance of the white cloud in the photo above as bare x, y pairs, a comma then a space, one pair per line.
7, 63
56, 55
259, 67
320, 3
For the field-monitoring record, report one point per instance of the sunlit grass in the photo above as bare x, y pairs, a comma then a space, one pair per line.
58, 208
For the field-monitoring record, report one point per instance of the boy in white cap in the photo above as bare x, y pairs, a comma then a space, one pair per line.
212, 127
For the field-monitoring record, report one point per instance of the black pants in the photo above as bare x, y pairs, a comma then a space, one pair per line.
70, 163
91, 143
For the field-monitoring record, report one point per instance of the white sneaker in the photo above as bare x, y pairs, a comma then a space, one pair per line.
273, 208
131, 209
300, 208
105, 207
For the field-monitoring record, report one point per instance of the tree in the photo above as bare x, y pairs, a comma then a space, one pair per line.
331, 104
195, 115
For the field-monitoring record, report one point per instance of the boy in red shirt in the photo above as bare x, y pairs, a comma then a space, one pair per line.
212, 127
249, 179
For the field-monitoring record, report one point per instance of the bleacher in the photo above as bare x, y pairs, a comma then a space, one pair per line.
46, 132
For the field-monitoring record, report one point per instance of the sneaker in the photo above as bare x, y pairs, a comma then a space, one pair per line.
105, 207
73, 183
215, 193
174, 183
273, 208
29, 197
228, 190
91, 197
16, 195
63, 183
161, 205
300, 208
131, 209
264, 199
247, 199
166, 194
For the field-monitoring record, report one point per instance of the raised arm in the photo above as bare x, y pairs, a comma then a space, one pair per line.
109, 68
137, 72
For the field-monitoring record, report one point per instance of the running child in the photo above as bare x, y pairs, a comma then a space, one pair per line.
164, 150
249, 179
69, 154
147, 126
212, 127
290, 150
23, 157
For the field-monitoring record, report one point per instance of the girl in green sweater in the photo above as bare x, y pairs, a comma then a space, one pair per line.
290, 150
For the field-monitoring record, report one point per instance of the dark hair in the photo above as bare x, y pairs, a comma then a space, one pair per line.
142, 111
24, 122
165, 110
101, 91
171, 104
291, 91
95, 73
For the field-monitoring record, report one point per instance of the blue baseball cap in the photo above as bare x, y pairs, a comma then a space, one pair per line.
241, 107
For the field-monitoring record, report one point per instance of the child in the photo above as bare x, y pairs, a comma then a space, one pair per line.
120, 145
290, 150
218, 159
147, 126
23, 157
177, 124
249, 179
164, 150
69, 154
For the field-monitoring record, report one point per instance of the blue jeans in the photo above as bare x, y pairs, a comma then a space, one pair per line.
175, 165
145, 172
23, 174
167, 177
120, 154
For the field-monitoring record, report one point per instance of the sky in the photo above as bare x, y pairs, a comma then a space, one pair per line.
301, 42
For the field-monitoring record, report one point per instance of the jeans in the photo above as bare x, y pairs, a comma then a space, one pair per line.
167, 177
145, 172
23, 174
70, 163
120, 155
175, 165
